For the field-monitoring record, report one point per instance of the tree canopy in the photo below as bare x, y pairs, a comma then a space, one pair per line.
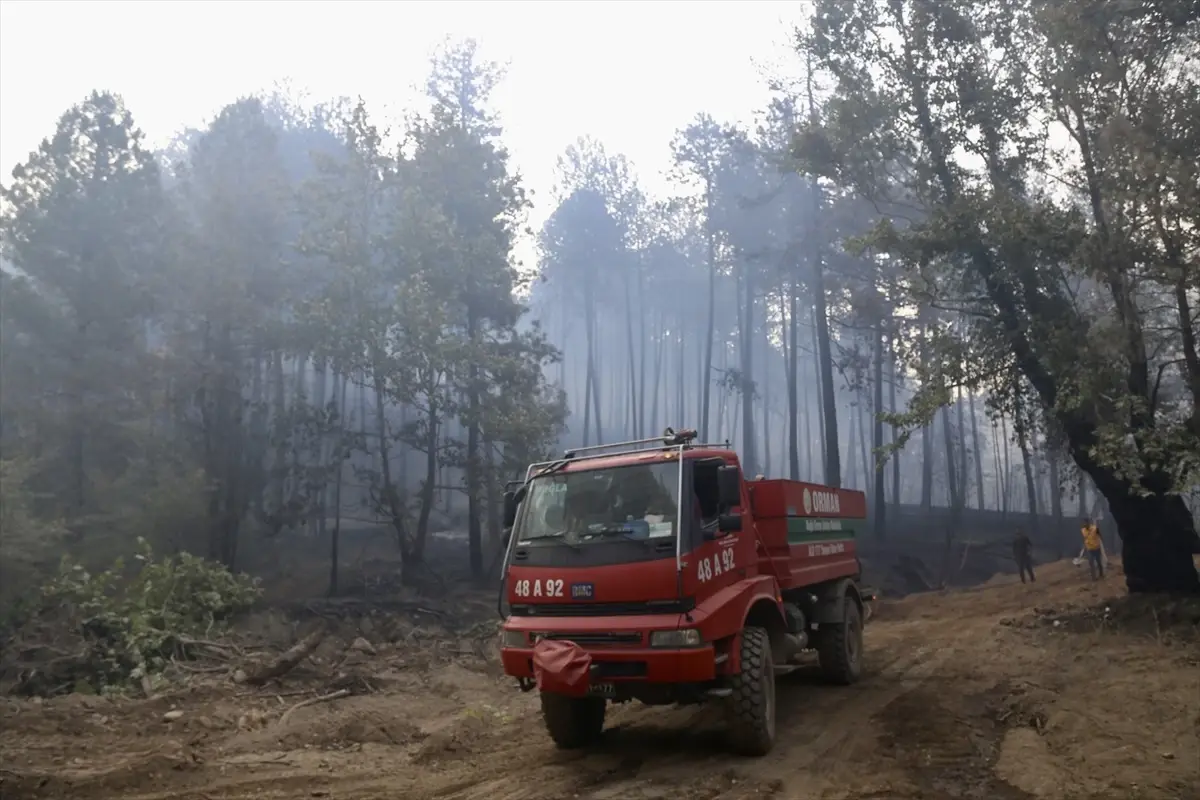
956, 264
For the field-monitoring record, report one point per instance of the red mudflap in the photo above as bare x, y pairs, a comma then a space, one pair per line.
561, 667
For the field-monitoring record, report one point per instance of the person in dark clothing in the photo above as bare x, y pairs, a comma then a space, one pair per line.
1023, 554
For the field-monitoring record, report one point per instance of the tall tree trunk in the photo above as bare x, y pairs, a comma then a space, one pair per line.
1027, 463
1191, 354
927, 431
927, 468
231, 436
335, 539
681, 382
735, 415
429, 484
641, 301
877, 437
723, 397
833, 464
977, 451
766, 413
474, 522
659, 350
711, 259
1056, 511
278, 472
952, 486
320, 393
746, 341
493, 502
960, 429
591, 395
820, 396
808, 440
791, 354
587, 400
864, 459
1006, 453
833, 461
389, 495
895, 369
999, 467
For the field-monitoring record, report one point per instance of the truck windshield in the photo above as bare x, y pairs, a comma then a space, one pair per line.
640, 501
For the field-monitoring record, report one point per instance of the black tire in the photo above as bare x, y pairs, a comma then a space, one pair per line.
751, 707
840, 646
573, 722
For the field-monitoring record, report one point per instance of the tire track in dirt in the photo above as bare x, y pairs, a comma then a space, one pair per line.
679, 753
647, 753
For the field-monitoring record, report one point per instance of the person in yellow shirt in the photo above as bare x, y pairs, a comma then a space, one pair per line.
1093, 547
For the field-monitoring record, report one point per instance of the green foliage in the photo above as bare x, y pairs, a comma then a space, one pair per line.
82, 220
1034, 274
132, 625
182, 349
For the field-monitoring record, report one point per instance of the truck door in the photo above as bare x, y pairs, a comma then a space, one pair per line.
716, 559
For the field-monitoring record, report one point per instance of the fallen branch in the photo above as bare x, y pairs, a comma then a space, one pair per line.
325, 698
225, 649
284, 664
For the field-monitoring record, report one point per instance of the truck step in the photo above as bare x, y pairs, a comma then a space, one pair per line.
786, 669
722, 692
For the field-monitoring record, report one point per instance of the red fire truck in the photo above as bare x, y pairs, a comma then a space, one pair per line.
653, 570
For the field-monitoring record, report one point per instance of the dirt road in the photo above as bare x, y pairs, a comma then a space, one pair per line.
998, 693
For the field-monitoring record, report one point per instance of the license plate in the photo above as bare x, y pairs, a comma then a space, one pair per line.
583, 591
603, 689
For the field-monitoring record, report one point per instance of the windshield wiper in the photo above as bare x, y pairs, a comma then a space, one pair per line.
560, 535
622, 531
553, 468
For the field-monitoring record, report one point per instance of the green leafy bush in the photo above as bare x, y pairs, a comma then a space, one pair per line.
132, 625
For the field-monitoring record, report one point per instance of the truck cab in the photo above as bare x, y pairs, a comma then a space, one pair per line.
639, 571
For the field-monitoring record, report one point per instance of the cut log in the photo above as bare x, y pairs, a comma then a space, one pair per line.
260, 674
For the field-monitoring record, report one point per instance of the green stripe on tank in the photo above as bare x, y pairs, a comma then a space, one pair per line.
822, 529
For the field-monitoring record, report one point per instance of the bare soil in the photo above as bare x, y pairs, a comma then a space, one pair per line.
1062, 689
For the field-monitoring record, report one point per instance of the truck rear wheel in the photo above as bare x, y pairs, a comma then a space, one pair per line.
840, 646
751, 707
573, 722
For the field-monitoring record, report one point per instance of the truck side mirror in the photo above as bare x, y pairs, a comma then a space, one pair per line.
729, 487
729, 523
510, 508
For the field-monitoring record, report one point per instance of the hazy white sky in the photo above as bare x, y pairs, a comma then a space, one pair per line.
627, 72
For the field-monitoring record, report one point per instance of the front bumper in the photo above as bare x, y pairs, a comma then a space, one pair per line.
648, 665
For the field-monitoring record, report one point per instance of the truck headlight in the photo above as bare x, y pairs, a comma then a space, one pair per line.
514, 639
686, 637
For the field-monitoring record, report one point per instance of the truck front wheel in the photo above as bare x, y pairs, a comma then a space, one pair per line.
573, 722
751, 709
840, 645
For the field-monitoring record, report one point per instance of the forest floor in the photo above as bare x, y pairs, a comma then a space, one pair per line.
1063, 689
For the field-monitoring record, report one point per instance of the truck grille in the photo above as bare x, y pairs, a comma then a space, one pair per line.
596, 638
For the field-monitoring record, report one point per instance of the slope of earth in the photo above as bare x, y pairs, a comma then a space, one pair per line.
1063, 689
